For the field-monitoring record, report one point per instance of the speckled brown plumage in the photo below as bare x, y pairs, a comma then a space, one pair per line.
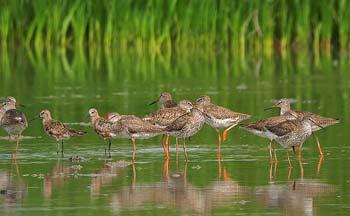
123, 126
60, 131
186, 125
284, 105
219, 117
288, 133
318, 122
13, 121
260, 127
57, 129
164, 117
291, 132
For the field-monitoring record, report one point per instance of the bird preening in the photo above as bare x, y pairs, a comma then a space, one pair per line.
181, 120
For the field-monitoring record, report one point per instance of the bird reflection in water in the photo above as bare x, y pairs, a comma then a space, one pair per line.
60, 173
174, 191
294, 196
12, 189
105, 176
273, 168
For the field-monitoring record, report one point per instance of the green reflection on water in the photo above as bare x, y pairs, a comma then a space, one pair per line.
69, 84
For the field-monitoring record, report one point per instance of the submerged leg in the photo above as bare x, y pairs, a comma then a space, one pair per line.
224, 135
168, 145
133, 150
57, 147
184, 147
319, 164
318, 145
166, 168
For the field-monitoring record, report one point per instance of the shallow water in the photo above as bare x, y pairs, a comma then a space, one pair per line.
243, 182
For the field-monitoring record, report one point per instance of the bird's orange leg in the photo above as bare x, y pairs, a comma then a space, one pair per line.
319, 164
166, 168
224, 135
318, 145
226, 176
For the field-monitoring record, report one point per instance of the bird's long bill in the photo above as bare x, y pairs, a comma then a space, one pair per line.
156, 101
35, 118
268, 108
21, 105
318, 125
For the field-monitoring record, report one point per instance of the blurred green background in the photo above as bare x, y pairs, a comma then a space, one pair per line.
69, 56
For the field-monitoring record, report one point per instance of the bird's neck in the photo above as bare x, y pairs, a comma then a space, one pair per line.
8, 107
285, 108
94, 119
46, 120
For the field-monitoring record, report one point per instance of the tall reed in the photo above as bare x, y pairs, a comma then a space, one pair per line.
161, 26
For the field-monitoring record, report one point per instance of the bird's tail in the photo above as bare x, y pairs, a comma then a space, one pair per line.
74, 132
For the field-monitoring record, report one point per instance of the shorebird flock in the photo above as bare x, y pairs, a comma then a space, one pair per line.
181, 119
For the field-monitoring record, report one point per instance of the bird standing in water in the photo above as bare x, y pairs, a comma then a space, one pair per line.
186, 126
57, 129
124, 126
317, 120
164, 117
219, 117
13, 121
104, 127
288, 133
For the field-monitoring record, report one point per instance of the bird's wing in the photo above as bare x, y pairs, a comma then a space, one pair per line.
134, 124
219, 112
165, 116
179, 123
284, 127
55, 128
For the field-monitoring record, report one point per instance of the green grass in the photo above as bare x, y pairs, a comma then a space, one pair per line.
161, 26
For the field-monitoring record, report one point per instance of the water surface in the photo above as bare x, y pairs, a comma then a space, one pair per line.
242, 182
